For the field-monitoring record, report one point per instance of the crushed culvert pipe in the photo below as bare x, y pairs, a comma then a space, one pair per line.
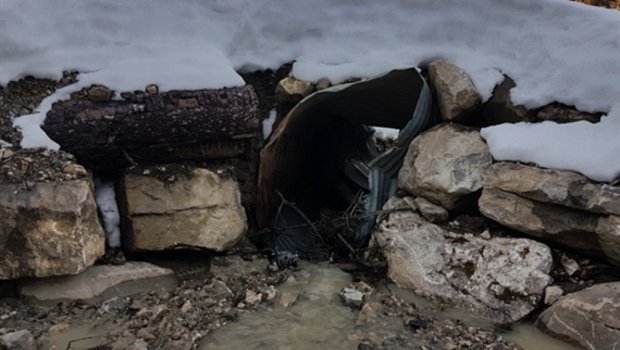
323, 155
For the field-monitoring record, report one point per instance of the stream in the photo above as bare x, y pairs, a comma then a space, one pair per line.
319, 320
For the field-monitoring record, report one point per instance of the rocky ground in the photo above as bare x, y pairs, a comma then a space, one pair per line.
211, 297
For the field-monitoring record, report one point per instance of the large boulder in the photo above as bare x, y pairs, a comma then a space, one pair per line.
50, 229
570, 228
554, 205
501, 279
195, 207
99, 283
554, 186
456, 93
589, 318
445, 164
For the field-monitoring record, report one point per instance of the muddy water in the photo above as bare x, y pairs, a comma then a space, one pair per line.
319, 320
524, 334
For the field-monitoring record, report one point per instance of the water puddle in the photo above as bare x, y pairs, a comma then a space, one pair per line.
317, 320
79, 337
525, 335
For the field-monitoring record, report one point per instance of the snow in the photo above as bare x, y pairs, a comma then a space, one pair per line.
385, 133
599, 159
268, 123
555, 50
108, 208
4, 143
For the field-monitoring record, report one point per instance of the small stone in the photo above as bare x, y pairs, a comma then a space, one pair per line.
58, 328
431, 211
292, 90
152, 89
417, 324
369, 313
154, 312
99, 93
19, 340
252, 298
486, 235
570, 265
139, 344
74, 169
6, 153
363, 287
288, 299
323, 84
186, 306
552, 294
352, 297
143, 333
271, 293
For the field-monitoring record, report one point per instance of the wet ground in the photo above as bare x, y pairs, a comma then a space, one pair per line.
243, 302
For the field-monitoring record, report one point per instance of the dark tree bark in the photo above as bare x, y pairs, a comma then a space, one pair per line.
170, 126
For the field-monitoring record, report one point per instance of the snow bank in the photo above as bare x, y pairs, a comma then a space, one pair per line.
106, 202
555, 50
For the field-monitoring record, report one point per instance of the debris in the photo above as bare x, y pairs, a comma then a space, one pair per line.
570, 265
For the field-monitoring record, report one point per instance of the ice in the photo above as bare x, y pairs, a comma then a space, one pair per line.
108, 208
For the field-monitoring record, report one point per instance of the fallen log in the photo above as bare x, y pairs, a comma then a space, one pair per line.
165, 127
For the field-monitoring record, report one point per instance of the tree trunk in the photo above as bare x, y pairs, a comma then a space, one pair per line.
170, 126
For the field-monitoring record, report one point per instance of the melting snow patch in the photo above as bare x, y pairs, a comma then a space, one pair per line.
106, 202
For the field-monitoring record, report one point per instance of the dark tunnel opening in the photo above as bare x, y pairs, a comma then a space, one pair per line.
323, 159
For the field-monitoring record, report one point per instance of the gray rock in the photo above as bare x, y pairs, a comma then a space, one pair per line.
552, 294
501, 279
197, 209
571, 266
445, 164
456, 93
589, 318
49, 230
152, 89
554, 186
500, 109
608, 230
560, 113
100, 282
431, 211
293, 90
352, 297
99, 93
568, 227
19, 340
323, 84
